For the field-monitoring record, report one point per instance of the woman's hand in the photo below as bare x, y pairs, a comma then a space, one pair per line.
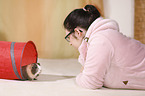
82, 68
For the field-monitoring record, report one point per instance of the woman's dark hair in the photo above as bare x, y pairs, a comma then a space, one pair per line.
81, 18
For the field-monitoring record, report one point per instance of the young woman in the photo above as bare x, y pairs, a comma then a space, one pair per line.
108, 57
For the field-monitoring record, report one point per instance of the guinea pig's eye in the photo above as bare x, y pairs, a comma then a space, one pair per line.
37, 75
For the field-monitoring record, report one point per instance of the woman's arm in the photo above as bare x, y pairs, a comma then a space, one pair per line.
97, 62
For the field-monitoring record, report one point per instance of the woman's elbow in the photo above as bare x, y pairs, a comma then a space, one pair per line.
88, 83
89, 86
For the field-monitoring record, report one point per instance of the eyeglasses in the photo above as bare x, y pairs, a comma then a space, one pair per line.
67, 38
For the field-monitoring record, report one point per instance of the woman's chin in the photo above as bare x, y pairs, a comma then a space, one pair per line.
75, 47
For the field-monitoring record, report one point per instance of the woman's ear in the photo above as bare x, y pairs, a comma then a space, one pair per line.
78, 33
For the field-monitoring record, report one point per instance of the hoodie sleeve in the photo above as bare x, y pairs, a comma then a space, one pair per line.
98, 58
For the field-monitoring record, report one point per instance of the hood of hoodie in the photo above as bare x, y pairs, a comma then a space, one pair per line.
101, 24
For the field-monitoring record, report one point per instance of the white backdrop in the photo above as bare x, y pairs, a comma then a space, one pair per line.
123, 12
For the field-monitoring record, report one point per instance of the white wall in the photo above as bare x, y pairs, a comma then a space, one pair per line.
123, 12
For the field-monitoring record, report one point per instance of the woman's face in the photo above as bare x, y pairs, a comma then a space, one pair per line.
75, 38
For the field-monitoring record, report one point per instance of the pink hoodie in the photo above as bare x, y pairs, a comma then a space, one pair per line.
111, 59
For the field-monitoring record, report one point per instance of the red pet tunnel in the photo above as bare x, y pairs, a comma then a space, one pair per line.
14, 55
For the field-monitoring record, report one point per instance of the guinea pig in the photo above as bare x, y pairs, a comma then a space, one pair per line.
31, 71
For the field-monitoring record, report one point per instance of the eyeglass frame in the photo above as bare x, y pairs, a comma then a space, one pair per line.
67, 36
